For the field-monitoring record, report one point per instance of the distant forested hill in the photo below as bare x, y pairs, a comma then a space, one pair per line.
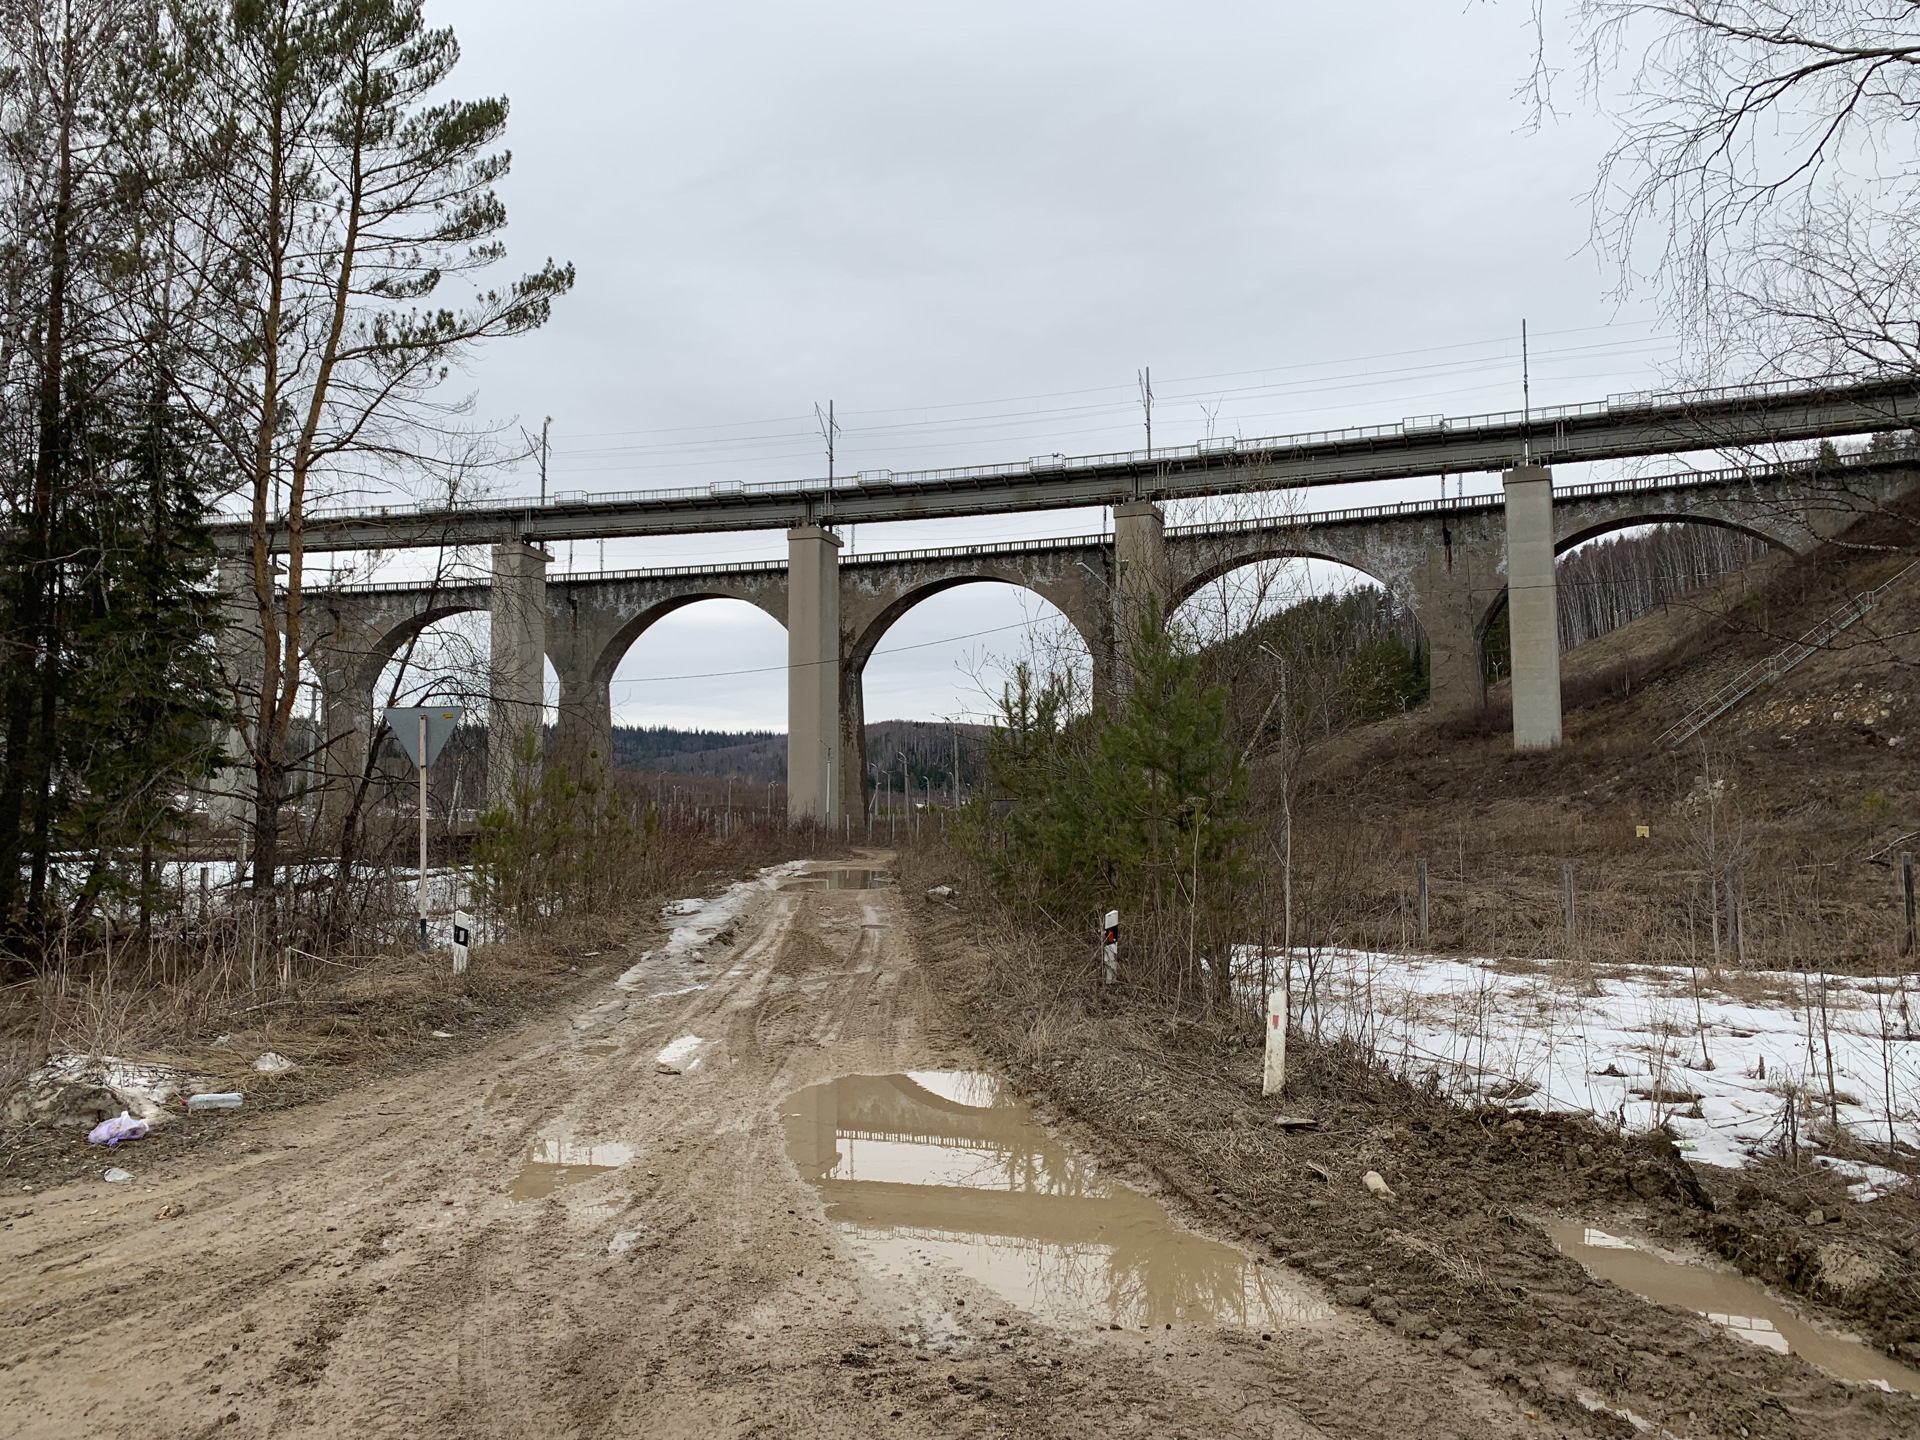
746, 755
761, 755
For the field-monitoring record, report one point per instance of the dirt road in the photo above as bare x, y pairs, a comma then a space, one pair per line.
552, 1238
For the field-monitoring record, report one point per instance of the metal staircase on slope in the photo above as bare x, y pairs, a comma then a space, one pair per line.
1778, 664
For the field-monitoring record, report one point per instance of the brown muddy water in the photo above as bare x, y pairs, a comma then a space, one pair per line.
943, 1171
842, 879
1741, 1305
554, 1163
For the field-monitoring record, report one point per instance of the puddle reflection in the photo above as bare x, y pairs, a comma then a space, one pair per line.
843, 879
554, 1163
943, 1169
1741, 1305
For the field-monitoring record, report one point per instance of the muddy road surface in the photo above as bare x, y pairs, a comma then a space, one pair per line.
553, 1237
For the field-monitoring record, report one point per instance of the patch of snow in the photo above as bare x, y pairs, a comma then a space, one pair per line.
679, 1056
75, 1089
1632, 1046
689, 930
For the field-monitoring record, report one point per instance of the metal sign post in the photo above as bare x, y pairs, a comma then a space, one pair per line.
423, 732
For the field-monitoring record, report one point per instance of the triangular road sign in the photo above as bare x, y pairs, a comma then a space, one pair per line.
404, 721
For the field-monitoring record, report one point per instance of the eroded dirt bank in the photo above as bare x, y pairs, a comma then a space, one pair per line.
1460, 1262
548, 1237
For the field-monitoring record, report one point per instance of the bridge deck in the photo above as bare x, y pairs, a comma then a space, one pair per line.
1352, 515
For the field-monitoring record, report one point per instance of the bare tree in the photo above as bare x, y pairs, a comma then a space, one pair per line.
338, 205
1764, 176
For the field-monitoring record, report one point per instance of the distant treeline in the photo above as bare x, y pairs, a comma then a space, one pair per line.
1622, 577
758, 756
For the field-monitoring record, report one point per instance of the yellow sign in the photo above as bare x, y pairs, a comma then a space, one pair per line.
1643, 832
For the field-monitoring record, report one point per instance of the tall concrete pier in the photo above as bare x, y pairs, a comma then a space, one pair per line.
1142, 583
519, 652
814, 762
1533, 608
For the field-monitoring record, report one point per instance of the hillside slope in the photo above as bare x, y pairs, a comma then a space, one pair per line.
1785, 804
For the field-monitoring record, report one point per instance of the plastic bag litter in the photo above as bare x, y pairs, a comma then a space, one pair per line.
269, 1062
122, 1127
116, 1175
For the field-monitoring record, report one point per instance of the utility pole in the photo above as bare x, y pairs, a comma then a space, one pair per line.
829, 428
1526, 400
545, 450
1146, 401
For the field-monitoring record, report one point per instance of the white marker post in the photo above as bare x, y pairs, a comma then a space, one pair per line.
423, 732
462, 938
1274, 1078
1110, 949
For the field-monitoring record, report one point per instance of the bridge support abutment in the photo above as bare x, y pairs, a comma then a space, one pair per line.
852, 770
815, 746
346, 723
241, 659
1444, 599
585, 725
1533, 608
1142, 583
517, 690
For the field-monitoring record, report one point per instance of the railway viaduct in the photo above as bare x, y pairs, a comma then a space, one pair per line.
1451, 562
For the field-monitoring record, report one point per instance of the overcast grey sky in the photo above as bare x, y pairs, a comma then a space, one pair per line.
971, 226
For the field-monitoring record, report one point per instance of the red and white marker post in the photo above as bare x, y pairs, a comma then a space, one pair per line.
1274, 1077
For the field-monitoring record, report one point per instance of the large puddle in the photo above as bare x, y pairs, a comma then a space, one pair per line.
842, 879
554, 1163
937, 1170
1740, 1304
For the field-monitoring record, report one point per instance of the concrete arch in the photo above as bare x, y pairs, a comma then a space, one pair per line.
591, 624
1185, 589
1192, 585
613, 649
383, 649
874, 627
1569, 532
864, 626
1578, 534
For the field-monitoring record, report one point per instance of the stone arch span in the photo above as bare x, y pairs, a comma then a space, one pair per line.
592, 624
1190, 585
872, 603
1573, 529
1577, 532
615, 647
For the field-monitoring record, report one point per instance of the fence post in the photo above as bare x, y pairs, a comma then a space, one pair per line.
1907, 886
1566, 902
1736, 942
1423, 903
